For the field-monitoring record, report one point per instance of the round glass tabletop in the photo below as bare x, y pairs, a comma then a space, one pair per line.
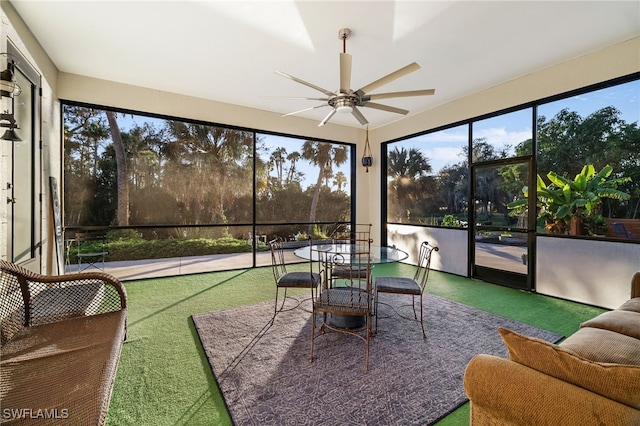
379, 254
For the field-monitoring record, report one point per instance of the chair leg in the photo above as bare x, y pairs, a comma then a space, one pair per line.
313, 333
275, 309
375, 312
368, 331
413, 305
424, 335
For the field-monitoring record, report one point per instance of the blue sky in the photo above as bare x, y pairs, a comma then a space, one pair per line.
444, 148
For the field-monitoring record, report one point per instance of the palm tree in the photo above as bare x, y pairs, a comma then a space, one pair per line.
277, 159
325, 156
339, 180
293, 159
408, 171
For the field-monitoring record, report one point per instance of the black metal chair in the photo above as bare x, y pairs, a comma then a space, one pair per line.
362, 232
345, 304
285, 279
91, 250
411, 286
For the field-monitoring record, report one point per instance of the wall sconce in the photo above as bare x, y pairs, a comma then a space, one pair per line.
367, 157
9, 89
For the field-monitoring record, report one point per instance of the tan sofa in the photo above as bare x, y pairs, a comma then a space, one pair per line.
591, 378
61, 338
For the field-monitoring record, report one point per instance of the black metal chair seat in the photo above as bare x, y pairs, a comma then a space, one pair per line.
349, 272
402, 285
343, 300
299, 280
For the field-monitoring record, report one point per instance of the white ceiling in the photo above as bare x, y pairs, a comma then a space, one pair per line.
228, 51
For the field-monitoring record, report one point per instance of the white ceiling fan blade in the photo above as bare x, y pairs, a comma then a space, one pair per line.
385, 108
358, 115
306, 83
345, 72
327, 118
390, 77
377, 96
306, 109
294, 98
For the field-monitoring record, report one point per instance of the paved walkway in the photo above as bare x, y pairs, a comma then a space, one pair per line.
492, 255
154, 268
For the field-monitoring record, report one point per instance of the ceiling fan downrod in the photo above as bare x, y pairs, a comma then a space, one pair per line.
343, 34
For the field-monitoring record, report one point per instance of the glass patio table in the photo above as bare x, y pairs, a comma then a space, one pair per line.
379, 254
328, 251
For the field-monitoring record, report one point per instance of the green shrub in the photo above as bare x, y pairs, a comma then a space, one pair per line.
130, 246
450, 221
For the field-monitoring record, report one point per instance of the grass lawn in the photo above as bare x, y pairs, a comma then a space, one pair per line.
164, 376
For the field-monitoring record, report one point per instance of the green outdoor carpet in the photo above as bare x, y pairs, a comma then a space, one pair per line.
266, 377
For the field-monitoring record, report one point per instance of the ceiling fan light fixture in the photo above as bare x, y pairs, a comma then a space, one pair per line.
344, 105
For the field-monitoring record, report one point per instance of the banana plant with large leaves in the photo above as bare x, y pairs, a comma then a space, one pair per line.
564, 198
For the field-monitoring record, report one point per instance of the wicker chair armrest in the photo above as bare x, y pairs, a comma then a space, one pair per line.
50, 298
79, 278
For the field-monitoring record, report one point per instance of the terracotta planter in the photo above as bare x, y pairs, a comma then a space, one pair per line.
576, 226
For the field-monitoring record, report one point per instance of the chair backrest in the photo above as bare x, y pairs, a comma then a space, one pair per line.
424, 264
95, 240
620, 230
349, 263
360, 232
277, 258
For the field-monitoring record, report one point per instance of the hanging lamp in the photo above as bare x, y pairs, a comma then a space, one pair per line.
367, 157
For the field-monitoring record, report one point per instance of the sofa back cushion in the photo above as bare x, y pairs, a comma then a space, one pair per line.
600, 345
614, 381
621, 321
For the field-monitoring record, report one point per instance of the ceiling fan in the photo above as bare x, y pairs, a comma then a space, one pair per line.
347, 100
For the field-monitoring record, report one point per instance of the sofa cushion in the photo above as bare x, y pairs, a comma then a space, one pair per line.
623, 322
632, 305
614, 381
597, 344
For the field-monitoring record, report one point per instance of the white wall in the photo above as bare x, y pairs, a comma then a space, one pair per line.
14, 30
588, 271
452, 256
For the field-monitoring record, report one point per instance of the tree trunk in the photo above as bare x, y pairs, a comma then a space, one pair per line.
121, 164
314, 201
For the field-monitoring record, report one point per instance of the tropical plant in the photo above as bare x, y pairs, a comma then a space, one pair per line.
583, 195
564, 199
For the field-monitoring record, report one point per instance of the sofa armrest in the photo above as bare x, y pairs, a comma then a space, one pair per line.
504, 392
635, 285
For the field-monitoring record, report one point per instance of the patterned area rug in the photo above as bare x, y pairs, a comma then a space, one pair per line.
266, 377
